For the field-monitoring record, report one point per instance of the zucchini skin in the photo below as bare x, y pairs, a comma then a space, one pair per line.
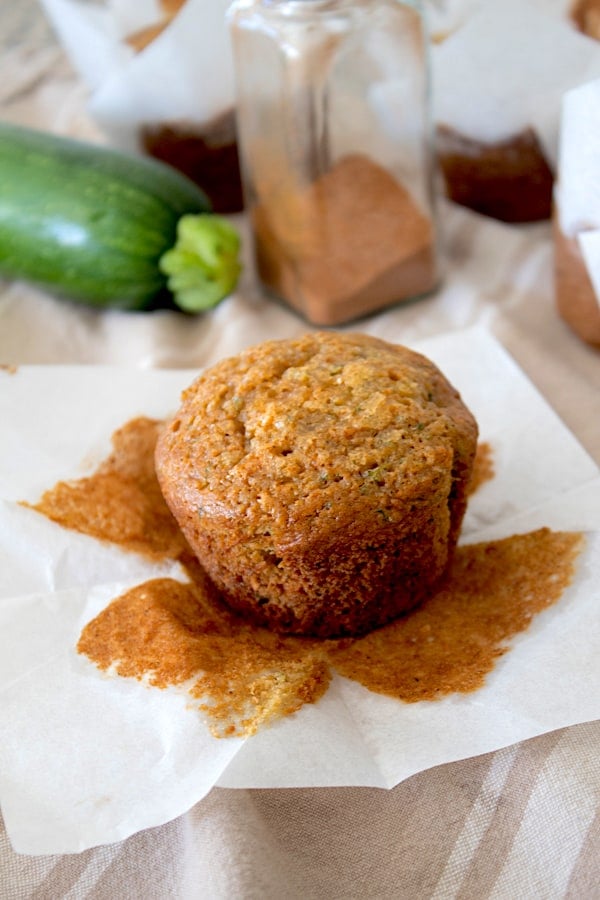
88, 222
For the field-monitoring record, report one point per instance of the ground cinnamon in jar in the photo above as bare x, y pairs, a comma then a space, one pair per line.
171, 633
353, 241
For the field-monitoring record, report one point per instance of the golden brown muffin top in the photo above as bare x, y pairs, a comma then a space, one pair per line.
322, 427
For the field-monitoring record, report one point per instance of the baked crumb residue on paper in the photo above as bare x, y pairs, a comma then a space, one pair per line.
240, 676
451, 642
483, 466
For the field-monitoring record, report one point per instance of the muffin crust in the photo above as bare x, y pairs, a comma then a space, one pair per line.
321, 481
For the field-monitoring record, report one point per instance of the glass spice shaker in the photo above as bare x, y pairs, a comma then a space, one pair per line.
336, 152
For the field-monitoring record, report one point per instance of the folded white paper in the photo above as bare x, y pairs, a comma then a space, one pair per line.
507, 68
577, 187
589, 244
86, 758
578, 190
184, 74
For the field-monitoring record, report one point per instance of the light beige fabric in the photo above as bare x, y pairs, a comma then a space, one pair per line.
518, 823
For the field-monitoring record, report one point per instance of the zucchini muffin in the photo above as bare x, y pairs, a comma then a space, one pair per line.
321, 481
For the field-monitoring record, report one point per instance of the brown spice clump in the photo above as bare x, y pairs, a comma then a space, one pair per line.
208, 154
508, 180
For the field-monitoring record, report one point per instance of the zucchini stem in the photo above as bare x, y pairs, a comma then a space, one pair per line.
203, 266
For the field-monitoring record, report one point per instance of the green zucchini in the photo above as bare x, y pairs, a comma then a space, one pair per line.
107, 229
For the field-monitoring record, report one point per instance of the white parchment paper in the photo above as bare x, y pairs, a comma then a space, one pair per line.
184, 74
87, 759
577, 189
507, 68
